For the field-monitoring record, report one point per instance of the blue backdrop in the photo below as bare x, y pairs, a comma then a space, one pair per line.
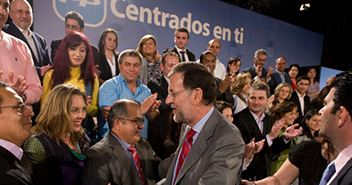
240, 31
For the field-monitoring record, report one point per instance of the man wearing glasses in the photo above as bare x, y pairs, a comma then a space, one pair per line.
122, 157
22, 18
15, 124
258, 70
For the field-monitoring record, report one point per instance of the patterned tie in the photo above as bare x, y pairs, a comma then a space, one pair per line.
183, 56
186, 147
328, 173
133, 150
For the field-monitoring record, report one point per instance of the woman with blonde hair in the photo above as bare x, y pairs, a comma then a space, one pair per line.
282, 93
150, 69
54, 153
240, 89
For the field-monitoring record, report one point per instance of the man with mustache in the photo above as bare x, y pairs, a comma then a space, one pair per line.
122, 157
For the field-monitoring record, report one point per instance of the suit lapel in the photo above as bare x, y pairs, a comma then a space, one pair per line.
338, 179
200, 145
119, 153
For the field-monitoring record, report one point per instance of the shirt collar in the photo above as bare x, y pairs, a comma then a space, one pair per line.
14, 149
167, 79
299, 95
262, 116
178, 49
125, 82
200, 124
344, 156
25, 32
124, 144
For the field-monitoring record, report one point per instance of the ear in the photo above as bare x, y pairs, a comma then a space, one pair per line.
197, 96
344, 116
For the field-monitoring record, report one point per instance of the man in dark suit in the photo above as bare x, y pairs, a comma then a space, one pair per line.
158, 129
73, 22
122, 156
211, 148
253, 122
336, 126
181, 39
300, 98
279, 75
258, 70
22, 19
208, 59
15, 121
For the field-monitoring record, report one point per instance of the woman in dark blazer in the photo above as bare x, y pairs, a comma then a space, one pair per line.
107, 57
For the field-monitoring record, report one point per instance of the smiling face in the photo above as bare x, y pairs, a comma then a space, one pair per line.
149, 47
284, 92
127, 130
130, 68
314, 123
77, 112
290, 117
21, 14
179, 99
260, 60
77, 55
257, 101
209, 61
17, 121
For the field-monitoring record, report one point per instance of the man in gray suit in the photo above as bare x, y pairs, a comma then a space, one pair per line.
122, 156
213, 153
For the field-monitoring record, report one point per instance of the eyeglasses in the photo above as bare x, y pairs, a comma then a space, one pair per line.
259, 59
174, 94
21, 12
137, 121
20, 107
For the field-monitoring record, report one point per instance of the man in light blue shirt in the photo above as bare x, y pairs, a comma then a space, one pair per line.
127, 85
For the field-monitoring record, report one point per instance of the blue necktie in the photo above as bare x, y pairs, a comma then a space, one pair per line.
328, 173
183, 56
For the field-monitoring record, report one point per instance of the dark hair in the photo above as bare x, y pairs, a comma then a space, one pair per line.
231, 61
75, 16
260, 86
203, 54
303, 77
221, 105
102, 39
130, 53
61, 63
182, 29
308, 116
282, 109
293, 65
169, 53
316, 73
196, 75
120, 110
343, 86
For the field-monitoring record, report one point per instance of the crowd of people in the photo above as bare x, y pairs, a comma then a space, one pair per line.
88, 115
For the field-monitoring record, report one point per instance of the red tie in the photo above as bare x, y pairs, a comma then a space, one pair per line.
186, 147
137, 162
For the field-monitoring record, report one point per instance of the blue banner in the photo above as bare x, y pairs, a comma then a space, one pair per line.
240, 31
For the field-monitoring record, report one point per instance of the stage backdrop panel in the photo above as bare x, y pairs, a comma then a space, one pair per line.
240, 31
